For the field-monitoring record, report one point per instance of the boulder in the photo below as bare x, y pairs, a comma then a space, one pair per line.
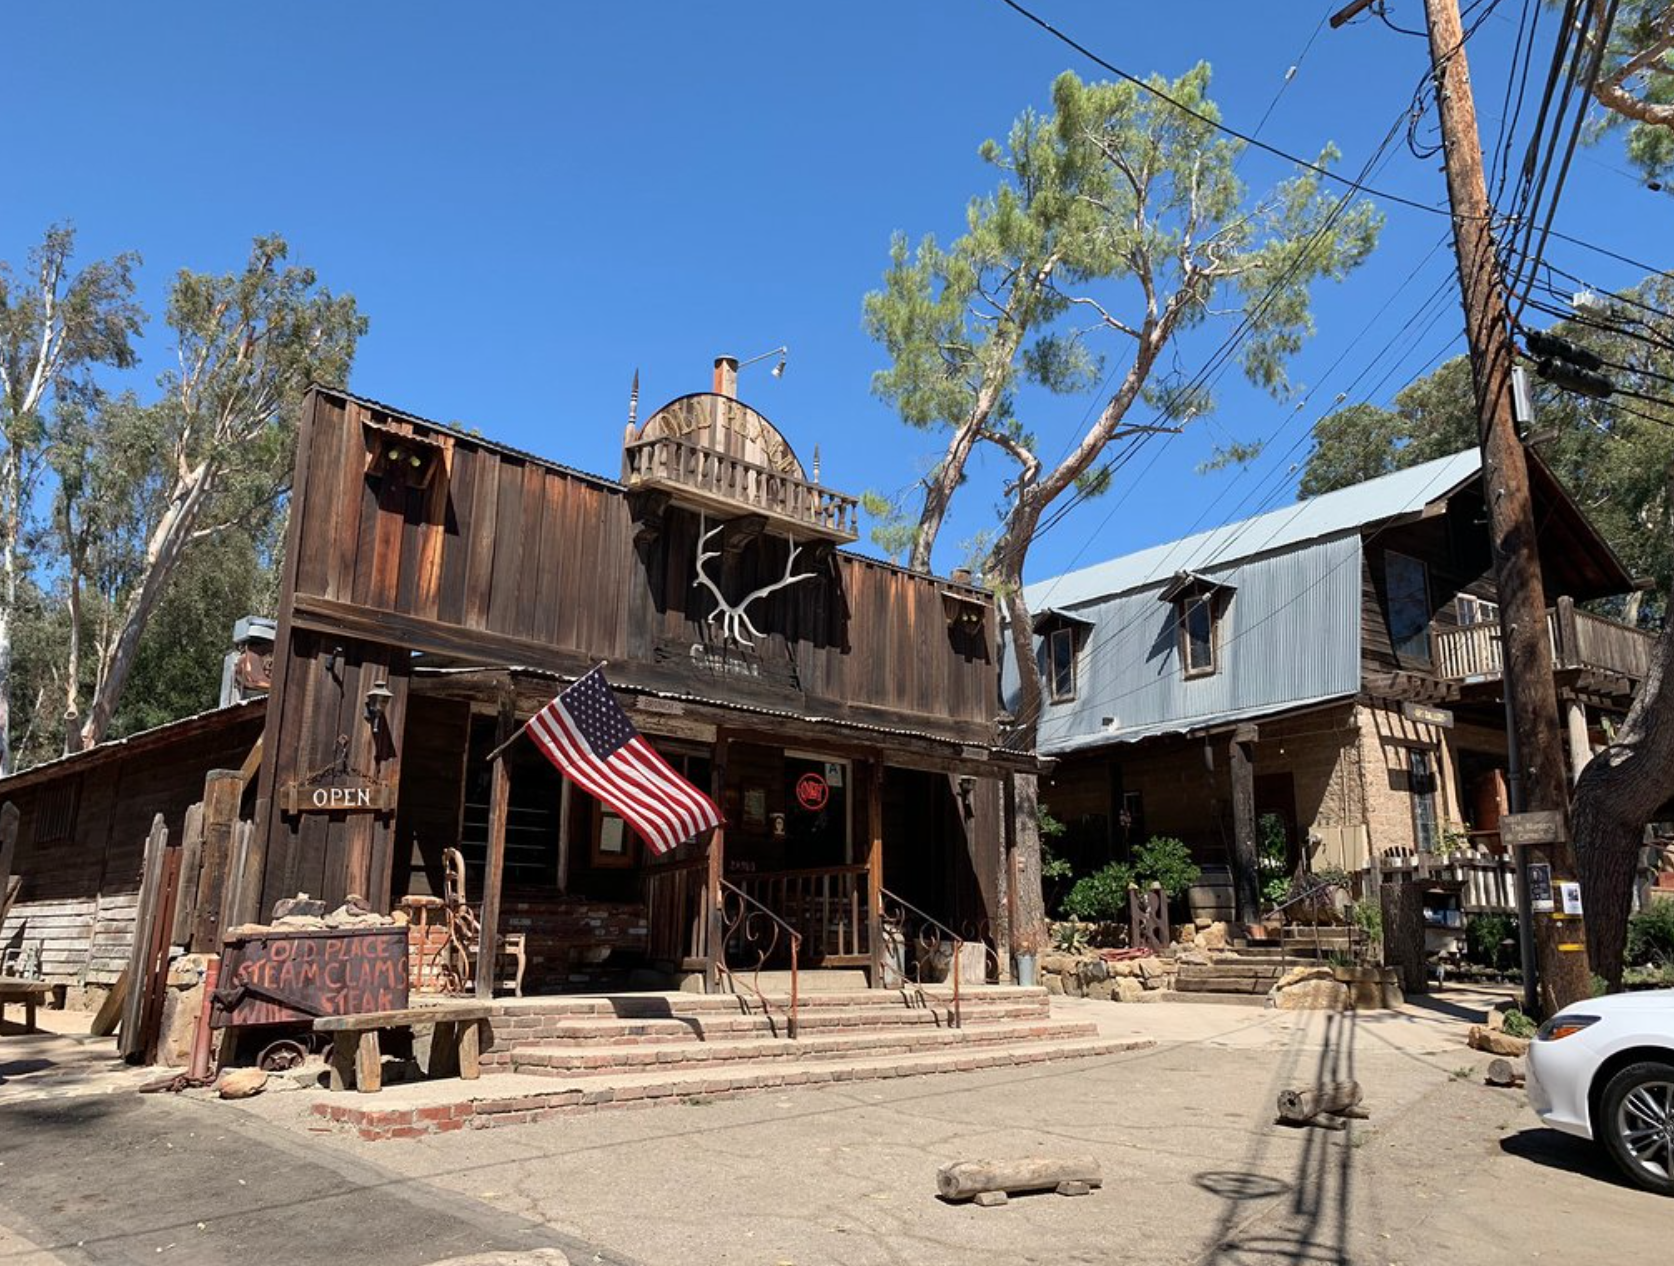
241, 1083
1213, 937
1150, 967
1194, 958
1126, 967
1128, 989
1091, 969
302, 903
1496, 1042
1058, 963
1104, 990
1297, 975
1054, 983
1312, 994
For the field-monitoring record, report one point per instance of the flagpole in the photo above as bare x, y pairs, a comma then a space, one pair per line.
501, 750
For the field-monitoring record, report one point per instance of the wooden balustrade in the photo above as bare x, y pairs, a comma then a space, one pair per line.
729, 484
827, 906
1579, 640
677, 912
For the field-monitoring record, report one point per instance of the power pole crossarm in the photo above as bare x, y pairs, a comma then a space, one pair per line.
1531, 696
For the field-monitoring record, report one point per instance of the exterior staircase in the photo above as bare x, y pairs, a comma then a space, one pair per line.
552, 1057
1250, 969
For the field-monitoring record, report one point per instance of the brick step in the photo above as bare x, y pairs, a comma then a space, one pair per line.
662, 1005
597, 1031
1221, 999
543, 1059
410, 1111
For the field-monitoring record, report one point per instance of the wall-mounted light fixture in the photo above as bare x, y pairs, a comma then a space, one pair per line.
377, 703
967, 788
783, 353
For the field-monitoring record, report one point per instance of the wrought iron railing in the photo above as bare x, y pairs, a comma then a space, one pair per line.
929, 943
748, 927
828, 906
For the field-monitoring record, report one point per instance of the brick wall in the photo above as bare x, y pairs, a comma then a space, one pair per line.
561, 936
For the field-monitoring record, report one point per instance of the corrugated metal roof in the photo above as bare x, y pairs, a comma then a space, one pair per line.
1332, 513
1189, 725
140, 740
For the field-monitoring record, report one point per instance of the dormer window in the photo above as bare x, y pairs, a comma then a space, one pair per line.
1199, 603
1062, 636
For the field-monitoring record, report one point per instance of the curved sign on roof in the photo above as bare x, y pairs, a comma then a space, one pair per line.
724, 425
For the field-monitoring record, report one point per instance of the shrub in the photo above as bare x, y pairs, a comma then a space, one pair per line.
1272, 856
1519, 1025
1168, 862
1650, 938
1491, 940
1101, 897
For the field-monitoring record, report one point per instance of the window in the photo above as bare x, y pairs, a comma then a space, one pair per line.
1061, 664
1421, 780
1198, 634
1473, 611
1407, 587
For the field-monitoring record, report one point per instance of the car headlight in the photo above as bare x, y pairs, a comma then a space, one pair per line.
1564, 1026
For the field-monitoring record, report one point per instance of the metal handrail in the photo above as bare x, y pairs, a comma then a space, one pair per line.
746, 924
885, 897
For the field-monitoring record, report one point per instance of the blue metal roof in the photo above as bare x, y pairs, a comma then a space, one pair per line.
1330, 514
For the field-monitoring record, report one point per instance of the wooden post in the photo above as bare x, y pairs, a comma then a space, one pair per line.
715, 871
1245, 863
222, 791
874, 871
191, 867
499, 798
1580, 742
151, 880
1531, 698
8, 849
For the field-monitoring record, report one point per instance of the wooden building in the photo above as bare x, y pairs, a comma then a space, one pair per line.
1333, 665
439, 588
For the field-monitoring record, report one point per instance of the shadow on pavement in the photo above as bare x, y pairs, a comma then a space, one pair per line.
1556, 1150
1313, 1224
1443, 1006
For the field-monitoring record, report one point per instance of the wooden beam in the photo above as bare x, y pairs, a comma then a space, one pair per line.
499, 799
874, 871
1246, 894
8, 851
252, 764
716, 870
151, 880
222, 791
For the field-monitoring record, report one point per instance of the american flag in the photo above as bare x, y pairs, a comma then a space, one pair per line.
587, 735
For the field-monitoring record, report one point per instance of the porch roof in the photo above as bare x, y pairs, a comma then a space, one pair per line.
974, 753
1189, 727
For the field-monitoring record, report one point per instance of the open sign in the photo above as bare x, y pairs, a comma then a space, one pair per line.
812, 792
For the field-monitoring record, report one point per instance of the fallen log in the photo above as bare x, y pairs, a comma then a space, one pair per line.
1339, 1099
963, 1180
1502, 1072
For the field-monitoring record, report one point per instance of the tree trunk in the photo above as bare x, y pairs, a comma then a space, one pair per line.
938, 494
1029, 929
11, 499
163, 553
1619, 792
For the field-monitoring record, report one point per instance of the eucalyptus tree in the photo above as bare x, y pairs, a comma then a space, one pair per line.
1149, 232
56, 325
219, 440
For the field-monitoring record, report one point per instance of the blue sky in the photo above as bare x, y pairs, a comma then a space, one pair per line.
532, 201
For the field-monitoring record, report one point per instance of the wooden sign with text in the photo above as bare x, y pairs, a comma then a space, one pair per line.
377, 797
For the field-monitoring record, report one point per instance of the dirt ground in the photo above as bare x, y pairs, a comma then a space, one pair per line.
1195, 1170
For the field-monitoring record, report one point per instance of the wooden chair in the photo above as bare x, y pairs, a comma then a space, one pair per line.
465, 931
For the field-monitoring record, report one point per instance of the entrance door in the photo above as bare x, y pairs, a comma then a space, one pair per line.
818, 811
1275, 795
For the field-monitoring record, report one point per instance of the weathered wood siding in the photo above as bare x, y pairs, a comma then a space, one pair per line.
506, 560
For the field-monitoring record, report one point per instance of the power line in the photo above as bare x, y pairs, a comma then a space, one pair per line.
1246, 137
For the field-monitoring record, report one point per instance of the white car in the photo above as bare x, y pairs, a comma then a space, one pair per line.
1604, 1069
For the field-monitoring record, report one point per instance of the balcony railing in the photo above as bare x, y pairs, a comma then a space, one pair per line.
1579, 640
712, 480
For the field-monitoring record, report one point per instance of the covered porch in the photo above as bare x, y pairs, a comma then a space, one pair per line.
850, 854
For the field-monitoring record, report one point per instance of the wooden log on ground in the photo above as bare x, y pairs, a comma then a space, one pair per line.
964, 1179
1300, 1107
1502, 1072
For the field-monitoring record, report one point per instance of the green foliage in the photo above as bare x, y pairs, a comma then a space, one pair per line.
1636, 87
1166, 861
1115, 223
892, 530
1101, 897
1650, 938
1519, 1025
1491, 941
1368, 917
1069, 938
1271, 858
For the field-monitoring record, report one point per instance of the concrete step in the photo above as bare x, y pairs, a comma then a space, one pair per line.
560, 1059
664, 1004
1256, 1000
412, 1110
825, 980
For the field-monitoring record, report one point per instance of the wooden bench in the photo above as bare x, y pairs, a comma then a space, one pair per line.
28, 992
455, 1043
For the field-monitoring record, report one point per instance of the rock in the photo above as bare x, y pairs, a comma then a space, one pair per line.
1311, 995
1103, 990
1126, 967
1482, 1038
1060, 964
302, 904
1150, 967
1297, 975
241, 1083
309, 921
1194, 958
1202, 924
1128, 989
1092, 969
1213, 937
1054, 983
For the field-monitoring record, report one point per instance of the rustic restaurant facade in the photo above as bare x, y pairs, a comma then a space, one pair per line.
438, 589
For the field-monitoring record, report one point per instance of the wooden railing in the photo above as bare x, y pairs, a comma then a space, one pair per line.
677, 910
1579, 640
827, 906
721, 482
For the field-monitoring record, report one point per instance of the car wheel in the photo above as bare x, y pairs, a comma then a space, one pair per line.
1637, 1124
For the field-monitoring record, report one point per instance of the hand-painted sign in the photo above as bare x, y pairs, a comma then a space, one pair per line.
297, 797
278, 977
1543, 827
812, 792
1426, 715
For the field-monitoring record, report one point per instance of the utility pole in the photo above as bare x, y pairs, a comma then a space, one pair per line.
1526, 656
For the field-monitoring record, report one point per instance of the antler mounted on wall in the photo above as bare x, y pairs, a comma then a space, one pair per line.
732, 617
